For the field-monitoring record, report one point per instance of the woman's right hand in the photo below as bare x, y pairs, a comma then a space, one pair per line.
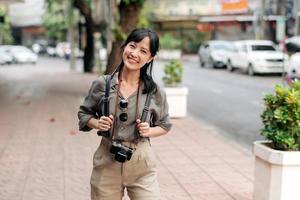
105, 123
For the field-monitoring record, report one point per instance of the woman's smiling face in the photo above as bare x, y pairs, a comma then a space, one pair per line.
137, 54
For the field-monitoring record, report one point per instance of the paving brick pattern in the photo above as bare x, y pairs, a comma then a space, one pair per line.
44, 157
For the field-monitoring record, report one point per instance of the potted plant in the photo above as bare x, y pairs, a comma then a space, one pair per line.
277, 160
176, 96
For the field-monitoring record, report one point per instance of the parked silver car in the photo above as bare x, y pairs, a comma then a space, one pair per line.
214, 53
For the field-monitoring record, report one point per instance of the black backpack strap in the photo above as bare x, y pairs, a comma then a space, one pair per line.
106, 104
144, 115
146, 108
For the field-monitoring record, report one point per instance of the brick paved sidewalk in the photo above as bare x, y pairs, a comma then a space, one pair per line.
44, 157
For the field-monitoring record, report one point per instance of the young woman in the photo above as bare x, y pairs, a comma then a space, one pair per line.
114, 166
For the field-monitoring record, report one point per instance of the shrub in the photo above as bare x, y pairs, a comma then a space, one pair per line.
167, 41
173, 73
281, 118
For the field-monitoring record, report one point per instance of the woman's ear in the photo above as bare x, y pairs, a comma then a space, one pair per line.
150, 59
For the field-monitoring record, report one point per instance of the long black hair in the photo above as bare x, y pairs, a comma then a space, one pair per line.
138, 35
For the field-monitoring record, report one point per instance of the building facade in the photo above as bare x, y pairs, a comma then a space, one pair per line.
230, 19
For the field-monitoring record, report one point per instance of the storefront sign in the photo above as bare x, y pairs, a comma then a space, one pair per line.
234, 6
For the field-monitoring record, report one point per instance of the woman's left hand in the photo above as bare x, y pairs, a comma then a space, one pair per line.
143, 128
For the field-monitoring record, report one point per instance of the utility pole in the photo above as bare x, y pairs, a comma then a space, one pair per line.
297, 9
1, 25
71, 36
259, 23
111, 18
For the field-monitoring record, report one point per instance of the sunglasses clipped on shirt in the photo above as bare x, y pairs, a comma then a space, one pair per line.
123, 105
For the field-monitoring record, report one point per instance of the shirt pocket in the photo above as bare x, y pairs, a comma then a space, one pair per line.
149, 156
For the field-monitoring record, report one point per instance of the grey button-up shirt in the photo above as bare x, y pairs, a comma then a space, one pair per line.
93, 107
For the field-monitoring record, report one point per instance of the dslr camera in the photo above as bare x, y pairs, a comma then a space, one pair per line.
122, 153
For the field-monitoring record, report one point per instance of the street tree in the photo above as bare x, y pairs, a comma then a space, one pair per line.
54, 20
57, 25
129, 11
84, 7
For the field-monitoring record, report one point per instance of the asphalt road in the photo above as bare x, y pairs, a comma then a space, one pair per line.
230, 102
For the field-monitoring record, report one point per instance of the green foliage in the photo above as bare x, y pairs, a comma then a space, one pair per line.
281, 118
145, 15
5, 30
167, 41
55, 20
118, 34
173, 73
191, 40
139, 2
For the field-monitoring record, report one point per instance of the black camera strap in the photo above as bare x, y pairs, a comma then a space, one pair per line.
106, 104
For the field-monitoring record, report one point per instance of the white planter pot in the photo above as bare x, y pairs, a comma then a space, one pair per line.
277, 173
177, 100
169, 54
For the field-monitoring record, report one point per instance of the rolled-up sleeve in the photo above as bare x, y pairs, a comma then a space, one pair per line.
90, 106
163, 119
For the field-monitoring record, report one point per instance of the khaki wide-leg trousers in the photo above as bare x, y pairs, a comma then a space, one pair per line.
138, 175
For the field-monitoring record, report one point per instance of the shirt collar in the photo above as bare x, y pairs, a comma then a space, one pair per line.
113, 84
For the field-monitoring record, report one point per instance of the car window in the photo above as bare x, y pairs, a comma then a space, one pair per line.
219, 47
234, 48
262, 48
244, 48
241, 47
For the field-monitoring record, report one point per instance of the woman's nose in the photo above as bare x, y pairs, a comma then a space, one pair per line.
134, 53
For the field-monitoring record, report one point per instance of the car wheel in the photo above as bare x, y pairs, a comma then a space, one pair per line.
250, 70
229, 66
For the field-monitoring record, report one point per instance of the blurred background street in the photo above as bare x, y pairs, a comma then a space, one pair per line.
225, 54
44, 156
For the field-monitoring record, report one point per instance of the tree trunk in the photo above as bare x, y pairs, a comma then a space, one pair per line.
114, 58
128, 20
129, 16
88, 58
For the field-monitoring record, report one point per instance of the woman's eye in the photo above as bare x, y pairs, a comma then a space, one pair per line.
144, 52
132, 45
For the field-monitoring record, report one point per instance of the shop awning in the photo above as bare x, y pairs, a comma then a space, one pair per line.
227, 18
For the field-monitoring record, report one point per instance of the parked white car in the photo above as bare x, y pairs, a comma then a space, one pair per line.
21, 54
257, 57
214, 53
5, 57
